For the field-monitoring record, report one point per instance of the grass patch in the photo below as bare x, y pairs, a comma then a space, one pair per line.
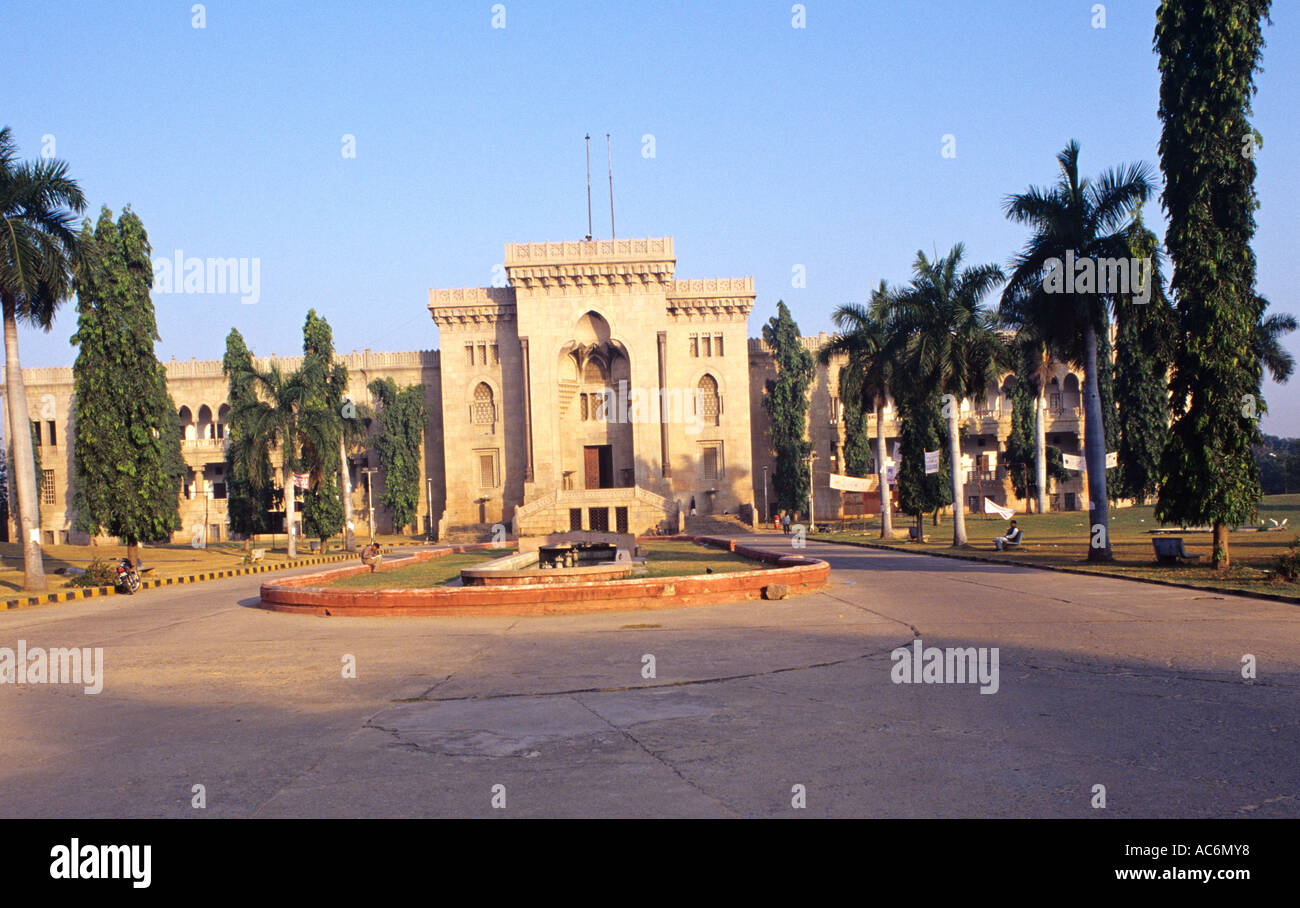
682, 559
421, 575
1060, 539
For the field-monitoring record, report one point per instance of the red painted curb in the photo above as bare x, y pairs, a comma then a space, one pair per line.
304, 595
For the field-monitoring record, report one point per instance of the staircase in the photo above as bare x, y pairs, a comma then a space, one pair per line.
716, 525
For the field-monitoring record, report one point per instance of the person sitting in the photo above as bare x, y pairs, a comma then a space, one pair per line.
370, 555
1011, 538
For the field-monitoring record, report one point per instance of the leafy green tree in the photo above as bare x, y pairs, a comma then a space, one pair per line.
402, 417
949, 342
786, 405
921, 429
1026, 444
863, 336
248, 492
39, 205
1208, 54
126, 433
1075, 220
1144, 337
326, 382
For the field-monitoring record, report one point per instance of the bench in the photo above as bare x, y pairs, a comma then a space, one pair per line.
256, 554
1169, 550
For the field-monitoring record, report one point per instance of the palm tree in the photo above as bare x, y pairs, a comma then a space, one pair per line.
950, 342
1038, 357
1075, 220
283, 415
863, 337
1275, 358
39, 205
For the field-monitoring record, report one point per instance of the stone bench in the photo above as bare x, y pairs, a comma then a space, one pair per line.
1169, 550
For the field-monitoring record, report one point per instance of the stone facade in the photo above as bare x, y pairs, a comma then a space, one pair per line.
594, 391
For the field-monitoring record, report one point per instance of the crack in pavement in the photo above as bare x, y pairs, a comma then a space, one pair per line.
657, 756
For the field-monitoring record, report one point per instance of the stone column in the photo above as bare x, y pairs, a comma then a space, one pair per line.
663, 416
528, 410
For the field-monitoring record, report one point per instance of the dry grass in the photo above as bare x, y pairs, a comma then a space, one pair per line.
1061, 540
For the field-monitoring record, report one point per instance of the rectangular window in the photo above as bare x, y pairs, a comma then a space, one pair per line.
47, 487
36, 431
599, 518
488, 475
835, 410
54, 438
708, 345
496, 355
218, 490
482, 354
709, 465
575, 519
717, 343
469, 354
620, 520
695, 345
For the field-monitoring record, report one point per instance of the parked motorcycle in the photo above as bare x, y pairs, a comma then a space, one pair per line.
128, 578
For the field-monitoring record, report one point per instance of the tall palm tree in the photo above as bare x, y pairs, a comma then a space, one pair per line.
282, 415
39, 205
1087, 220
1039, 359
863, 336
949, 341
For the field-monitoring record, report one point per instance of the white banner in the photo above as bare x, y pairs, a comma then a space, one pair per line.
931, 462
1112, 460
891, 474
850, 483
992, 507
301, 480
1072, 462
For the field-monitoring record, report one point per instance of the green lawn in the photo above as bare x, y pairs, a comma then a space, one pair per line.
1061, 539
663, 559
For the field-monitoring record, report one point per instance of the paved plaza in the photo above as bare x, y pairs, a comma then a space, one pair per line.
1101, 682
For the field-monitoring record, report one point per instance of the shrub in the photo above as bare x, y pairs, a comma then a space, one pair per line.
1288, 564
98, 573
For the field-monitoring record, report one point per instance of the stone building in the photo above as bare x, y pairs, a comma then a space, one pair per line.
595, 390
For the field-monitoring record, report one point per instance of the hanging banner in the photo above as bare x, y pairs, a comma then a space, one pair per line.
992, 507
931, 461
301, 480
1072, 462
1112, 460
850, 483
891, 474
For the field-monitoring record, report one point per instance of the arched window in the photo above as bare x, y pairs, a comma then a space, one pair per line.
707, 401
484, 411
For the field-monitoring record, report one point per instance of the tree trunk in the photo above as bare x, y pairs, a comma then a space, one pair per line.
23, 466
345, 485
1220, 556
886, 515
289, 508
1094, 448
954, 457
133, 553
1040, 447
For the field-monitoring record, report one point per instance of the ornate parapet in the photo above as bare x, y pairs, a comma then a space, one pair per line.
474, 307
721, 298
613, 265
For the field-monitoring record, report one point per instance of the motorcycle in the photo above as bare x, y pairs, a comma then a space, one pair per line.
128, 578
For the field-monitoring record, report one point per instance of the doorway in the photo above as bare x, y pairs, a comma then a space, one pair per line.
598, 466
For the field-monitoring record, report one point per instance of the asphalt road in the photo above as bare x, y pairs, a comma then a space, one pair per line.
1134, 687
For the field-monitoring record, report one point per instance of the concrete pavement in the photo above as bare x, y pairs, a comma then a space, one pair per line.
1101, 682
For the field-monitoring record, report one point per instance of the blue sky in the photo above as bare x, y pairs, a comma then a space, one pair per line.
774, 146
